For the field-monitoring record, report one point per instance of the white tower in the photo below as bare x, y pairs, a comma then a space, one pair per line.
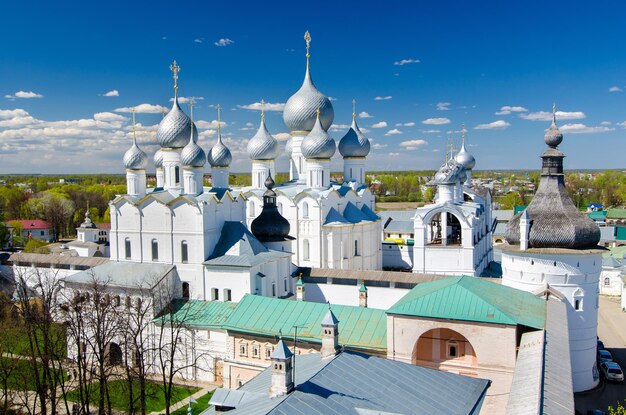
354, 147
330, 334
219, 157
318, 148
135, 161
192, 159
282, 370
262, 150
465, 159
559, 249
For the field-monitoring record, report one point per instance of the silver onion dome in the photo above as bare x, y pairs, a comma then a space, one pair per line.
289, 147
135, 158
450, 172
318, 144
192, 154
553, 136
219, 155
354, 143
263, 146
300, 110
465, 159
174, 128
158, 159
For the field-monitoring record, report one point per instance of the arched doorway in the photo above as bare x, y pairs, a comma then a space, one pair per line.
113, 354
447, 350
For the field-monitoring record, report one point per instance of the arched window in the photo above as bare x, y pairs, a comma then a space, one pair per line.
305, 210
305, 250
251, 209
280, 207
127, 248
186, 290
184, 253
607, 281
155, 250
578, 299
215, 294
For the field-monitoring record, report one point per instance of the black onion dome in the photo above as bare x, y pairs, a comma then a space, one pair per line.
270, 225
554, 220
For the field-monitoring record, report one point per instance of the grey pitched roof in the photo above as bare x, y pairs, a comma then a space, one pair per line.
611, 262
607, 233
397, 214
281, 351
135, 275
400, 226
237, 247
355, 383
329, 318
503, 215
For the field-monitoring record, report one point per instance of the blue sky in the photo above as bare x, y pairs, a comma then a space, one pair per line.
436, 64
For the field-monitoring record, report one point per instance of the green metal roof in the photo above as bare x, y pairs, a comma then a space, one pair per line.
598, 215
618, 252
472, 299
359, 327
620, 233
614, 213
200, 314
518, 209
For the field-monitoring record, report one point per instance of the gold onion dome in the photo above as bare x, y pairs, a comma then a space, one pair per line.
300, 109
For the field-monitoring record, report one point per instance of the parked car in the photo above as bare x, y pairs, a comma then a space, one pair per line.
601, 345
604, 356
612, 371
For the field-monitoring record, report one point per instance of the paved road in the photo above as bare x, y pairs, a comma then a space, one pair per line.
612, 331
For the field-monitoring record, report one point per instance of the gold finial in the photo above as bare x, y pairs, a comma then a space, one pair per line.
175, 69
219, 122
132, 110
307, 39
353, 109
318, 112
262, 109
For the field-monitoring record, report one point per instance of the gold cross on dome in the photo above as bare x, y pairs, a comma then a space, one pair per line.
175, 69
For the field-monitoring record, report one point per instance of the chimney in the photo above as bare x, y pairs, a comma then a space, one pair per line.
300, 289
524, 230
363, 295
282, 370
330, 334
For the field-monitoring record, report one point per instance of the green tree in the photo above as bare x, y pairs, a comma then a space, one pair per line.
55, 209
36, 246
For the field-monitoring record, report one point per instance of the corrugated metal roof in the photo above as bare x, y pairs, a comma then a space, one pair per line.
369, 213
354, 214
359, 327
201, 314
353, 383
525, 395
400, 226
472, 299
133, 275
502, 215
334, 217
597, 215
614, 213
57, 259
607, 233
389, 276
397, 214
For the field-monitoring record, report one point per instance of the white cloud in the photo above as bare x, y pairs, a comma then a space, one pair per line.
605, 123
583, 129
200, 40
224, 42
394, 154
547, 116
508, 109
395, 131
443, 106
364, 114
186, 100
381, 124
332, 99
108, 117
282, 136
615, 89
24, 95
143, 109
413, 144
406, 62
378, 146
385, 98
339, 127
268, 106
436, 121
209, 124
405, 124
112, 93
431, 131
496, 125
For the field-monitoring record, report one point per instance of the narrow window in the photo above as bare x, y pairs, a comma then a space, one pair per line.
184, 253
607, 281
577, 304
127, 247
285, 284
177, 175
305, 210
227, 294
356, 248
273, 290
305, 249
280, 208
155, 250
251, 209
186, 290
452, 351
215, 294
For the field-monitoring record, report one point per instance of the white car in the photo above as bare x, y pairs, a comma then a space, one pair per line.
612, 371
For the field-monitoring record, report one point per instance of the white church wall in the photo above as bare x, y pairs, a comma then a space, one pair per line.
611, 281
397, 256
239, 281
377, 297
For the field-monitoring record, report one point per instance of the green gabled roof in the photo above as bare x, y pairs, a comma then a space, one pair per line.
359, 327
472, 299
620, 233
198, 313
598, 215
614, 213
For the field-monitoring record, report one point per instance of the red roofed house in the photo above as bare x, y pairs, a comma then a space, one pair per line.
35, 228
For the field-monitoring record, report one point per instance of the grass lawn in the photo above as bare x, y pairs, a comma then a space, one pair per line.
118, 390
21, 373
203, 403
21, 344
